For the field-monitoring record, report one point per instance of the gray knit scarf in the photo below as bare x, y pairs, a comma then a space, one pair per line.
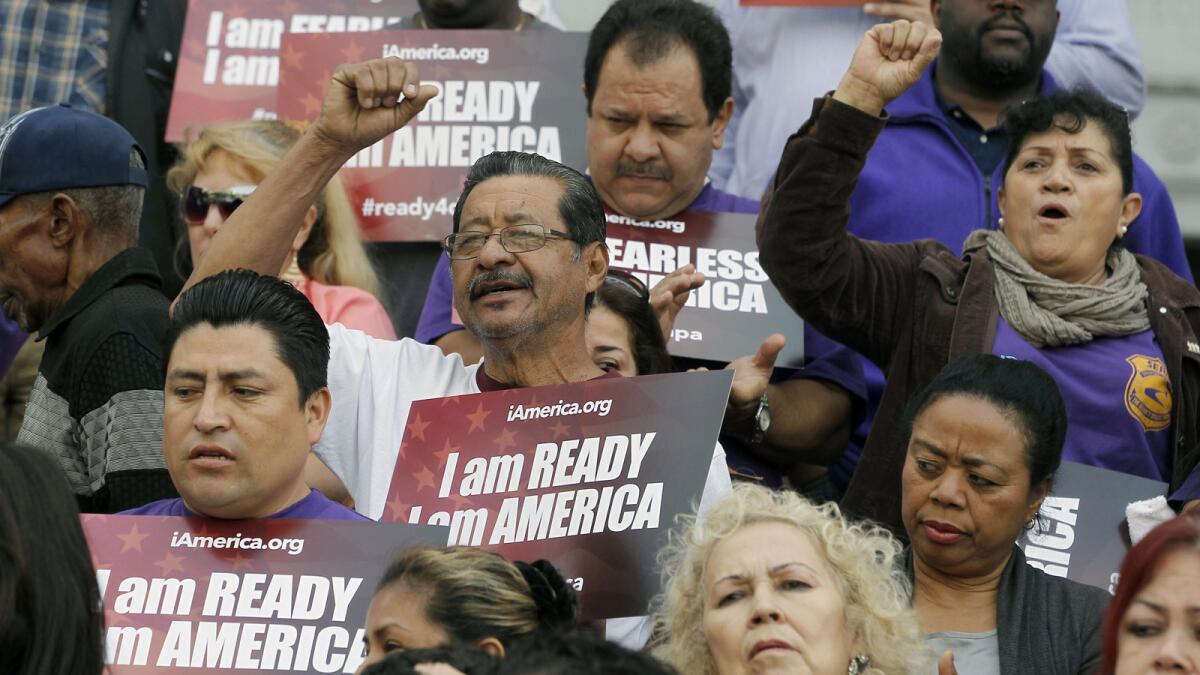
1052, 313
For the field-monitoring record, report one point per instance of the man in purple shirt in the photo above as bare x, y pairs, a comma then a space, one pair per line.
245, 401
657, 80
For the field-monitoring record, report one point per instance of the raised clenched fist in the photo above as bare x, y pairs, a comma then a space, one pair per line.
889, 60
367, 101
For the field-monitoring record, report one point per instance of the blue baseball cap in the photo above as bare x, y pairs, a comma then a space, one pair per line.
59, 147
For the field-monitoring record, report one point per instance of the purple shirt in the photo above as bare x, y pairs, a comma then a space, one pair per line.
315, 506
1117, 395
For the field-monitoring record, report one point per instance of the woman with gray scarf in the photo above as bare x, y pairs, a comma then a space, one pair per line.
1053, 286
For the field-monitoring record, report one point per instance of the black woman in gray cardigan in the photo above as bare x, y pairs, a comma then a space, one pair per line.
984, 440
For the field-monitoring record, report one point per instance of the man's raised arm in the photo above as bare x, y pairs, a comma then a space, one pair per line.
364, 103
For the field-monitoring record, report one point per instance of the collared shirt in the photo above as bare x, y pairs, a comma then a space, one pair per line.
986, 146
97, 403
53, 51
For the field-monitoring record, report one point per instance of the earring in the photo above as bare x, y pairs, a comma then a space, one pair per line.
1122, 230
858, 665
1000, 222
293, 274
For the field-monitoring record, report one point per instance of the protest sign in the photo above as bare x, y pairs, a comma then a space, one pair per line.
229, 59
589, 476
499, 90
1082, 534
736, 308
182, 594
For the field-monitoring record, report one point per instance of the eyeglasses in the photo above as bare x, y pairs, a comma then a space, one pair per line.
628, 282
197, 200
514, 239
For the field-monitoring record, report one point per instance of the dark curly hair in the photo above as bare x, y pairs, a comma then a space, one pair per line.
1071, 111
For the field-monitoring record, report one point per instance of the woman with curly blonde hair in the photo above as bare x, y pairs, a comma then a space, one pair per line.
769, 582
222, 166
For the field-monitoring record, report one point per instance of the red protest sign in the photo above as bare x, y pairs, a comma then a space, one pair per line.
498, 91
229, 59
736, 308
240, 596
589, 476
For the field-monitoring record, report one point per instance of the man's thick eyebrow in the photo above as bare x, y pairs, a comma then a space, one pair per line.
969, 461
228, 376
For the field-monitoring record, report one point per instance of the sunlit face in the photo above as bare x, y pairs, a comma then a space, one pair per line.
772, 605
1160, 632
1062, 203
503, 295
966, 493
650, 141
235, 435
221, 172
32, 268
609, 341
396, 620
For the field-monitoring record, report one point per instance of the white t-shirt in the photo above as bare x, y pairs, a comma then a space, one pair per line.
374, 382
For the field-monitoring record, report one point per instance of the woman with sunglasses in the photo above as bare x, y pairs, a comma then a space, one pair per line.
223, 165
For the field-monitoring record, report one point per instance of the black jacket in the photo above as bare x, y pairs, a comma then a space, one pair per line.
143, 50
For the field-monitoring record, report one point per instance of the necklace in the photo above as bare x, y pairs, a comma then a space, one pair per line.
526, 18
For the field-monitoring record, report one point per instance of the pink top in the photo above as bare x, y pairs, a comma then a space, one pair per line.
352, 307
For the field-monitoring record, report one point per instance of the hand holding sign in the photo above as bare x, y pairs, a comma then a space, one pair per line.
889, 60
367, 101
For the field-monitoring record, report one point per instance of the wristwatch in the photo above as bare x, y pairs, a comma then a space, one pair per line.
762, 420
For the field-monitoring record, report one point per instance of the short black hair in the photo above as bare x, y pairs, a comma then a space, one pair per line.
579, 206
236, 297
1020, 389
577, 652
650, 29
1071, 111
51, 621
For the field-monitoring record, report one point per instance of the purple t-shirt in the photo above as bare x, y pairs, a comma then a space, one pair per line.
1117, 395
315, 506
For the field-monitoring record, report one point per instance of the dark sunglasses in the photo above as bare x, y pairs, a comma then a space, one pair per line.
628, 282
196, 202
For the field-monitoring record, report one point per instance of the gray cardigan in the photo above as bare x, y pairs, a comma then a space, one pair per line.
1044, 624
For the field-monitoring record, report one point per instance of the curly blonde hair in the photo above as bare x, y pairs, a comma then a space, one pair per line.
334, 253
864, 559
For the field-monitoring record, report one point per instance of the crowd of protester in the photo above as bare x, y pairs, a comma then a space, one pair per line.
978, 255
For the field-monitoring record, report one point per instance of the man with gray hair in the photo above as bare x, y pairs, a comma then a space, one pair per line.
71, 190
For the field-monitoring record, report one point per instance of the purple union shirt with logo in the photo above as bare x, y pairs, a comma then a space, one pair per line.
1117, 395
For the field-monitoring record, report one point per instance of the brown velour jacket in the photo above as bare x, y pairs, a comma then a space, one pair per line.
913, 307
